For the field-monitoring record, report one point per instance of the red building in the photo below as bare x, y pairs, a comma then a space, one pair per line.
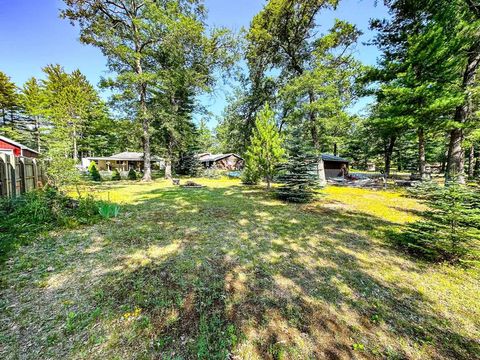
12, 147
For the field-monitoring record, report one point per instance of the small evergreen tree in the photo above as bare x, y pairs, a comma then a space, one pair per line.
132, 174
250, 174
298, 174
93, 170
450, 229
265, 151
116, 175
188, 164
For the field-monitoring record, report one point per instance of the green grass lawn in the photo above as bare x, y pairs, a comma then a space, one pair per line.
227, 271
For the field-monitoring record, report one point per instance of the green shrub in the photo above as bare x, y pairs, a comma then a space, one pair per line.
116, 175
91, 166
132, 174
250, 174
93, 170
61, 171
24, 217
87, 209
211, 173
450, 229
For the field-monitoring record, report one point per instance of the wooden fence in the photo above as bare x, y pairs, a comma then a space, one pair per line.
19, 175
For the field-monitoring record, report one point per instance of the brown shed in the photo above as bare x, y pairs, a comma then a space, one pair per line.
221, 161
333, 165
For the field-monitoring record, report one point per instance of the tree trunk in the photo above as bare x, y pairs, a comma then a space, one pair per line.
388, 154
168, 169
268, 181
316, 142
421, 153
168, 161
456, 154
476, 168
471, 158
147, 171
443, 166
335, 151
456, 158
37, 133
443, 169
313, 124
75, 150
399, 160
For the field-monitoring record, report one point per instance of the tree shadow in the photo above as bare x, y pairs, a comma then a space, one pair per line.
199, 273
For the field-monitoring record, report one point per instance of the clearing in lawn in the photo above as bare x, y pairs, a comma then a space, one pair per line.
226, 271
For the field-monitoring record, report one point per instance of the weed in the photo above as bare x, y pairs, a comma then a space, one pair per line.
24, 217
358, 347
108, 210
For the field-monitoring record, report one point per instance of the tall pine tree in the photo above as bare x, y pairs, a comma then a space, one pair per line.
34, 102
9, 103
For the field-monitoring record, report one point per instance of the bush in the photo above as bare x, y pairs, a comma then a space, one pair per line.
132, 174
212, 173
116, 175
93, 170
107, 210
23, 218
450, 229
61, 171
250, 174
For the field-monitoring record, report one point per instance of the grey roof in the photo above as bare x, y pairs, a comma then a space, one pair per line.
125, 156
21, 146
128, 155
329, 157
206, 157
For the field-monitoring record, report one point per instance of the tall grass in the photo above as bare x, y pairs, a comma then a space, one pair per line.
23, 218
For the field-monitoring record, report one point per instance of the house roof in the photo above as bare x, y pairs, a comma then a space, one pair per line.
206, 157
17, 144
125, 156
329, 157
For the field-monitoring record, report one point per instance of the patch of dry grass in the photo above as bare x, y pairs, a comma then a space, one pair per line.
228, 271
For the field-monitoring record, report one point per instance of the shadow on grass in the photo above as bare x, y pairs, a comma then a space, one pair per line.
201, 272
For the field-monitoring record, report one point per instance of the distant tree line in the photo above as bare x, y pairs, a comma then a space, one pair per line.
162, 55
425, 85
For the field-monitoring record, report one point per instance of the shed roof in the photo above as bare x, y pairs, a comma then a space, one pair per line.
17, 144
206, 157
329, 157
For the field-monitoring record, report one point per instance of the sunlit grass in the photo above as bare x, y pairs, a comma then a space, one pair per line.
227, 271
390, 205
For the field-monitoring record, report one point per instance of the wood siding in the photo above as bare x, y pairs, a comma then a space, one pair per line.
30, 154
231, 162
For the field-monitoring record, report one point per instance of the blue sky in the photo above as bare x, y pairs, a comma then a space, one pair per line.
32, 35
